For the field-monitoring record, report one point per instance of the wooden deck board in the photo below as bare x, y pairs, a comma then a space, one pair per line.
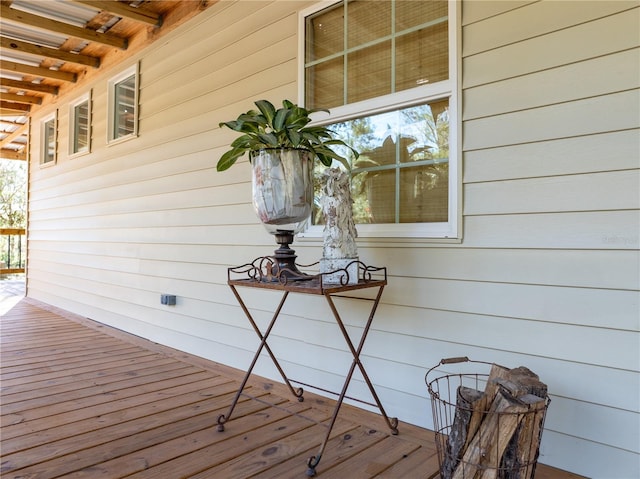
81, 400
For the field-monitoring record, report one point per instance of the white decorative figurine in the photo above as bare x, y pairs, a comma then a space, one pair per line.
339, 252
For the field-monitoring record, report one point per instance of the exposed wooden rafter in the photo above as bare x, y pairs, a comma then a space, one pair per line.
56, 54
123, 10
11, 108
28, 99
24, 85
38, 71
21, 130
7, 154
6, 122
12, 15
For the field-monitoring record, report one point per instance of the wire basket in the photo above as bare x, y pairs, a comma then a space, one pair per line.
498, 438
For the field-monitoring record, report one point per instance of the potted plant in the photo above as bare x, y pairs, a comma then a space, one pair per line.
281, 146
286, 127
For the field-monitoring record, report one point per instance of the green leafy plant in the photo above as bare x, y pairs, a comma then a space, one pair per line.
284, 127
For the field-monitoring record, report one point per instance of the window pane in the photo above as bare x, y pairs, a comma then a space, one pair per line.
367, 21
424, 189
325, 33
402, 174
325, 84
410, 13
49, 141
369, 72
425, 130
422, 57
424, 193
125, 107
81, 127
377, 63
375, 199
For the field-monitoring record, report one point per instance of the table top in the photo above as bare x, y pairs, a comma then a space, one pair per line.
255, 275
309, 286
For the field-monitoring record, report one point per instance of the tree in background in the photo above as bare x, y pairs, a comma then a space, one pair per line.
13, 209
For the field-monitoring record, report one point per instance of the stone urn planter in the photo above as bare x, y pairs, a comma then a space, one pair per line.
282, 147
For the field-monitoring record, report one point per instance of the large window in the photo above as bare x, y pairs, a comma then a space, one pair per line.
80, 125
48, 134
123, 105
387, 72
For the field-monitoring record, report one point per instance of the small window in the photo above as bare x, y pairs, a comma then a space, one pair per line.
123, 105
80, 125
49, 138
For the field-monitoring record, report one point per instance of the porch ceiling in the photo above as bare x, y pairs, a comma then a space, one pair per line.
51, 47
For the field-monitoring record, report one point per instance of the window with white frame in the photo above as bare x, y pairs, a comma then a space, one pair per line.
80, 125
48, 135
386, 70
123, 105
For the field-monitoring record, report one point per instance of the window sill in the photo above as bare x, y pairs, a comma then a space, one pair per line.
117, 141
389, 235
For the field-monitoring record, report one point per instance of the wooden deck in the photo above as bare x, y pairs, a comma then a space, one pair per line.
81, 400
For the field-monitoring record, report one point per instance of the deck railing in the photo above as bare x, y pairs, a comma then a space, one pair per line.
12, 254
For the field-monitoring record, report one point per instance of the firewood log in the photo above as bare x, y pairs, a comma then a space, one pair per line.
496, 434
483, 456
466, 405
522, 452
481, 407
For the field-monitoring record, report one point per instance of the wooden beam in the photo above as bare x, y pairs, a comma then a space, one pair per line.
8, 154
4, 121
26, 47
18, 132
7, 106
11, 270
12, 15
17, 67
24, 85
11, 112
125, 11
12, 231
28, 99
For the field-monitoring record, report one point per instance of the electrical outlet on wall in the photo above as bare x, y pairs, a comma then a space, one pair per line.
168, 299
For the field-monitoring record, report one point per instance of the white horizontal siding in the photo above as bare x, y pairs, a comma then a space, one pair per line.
600, 269
587, 230
551, 135
556, 85
586, 192
612, 151
258, 58
546, 276
538, 52
506, 23
480, 10
589, 116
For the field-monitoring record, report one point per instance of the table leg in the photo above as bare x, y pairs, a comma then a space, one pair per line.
313, 461
297, 392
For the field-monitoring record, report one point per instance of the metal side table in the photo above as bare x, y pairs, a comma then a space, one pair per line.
257, 275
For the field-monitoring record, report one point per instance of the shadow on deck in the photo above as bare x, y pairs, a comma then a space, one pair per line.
82, 400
